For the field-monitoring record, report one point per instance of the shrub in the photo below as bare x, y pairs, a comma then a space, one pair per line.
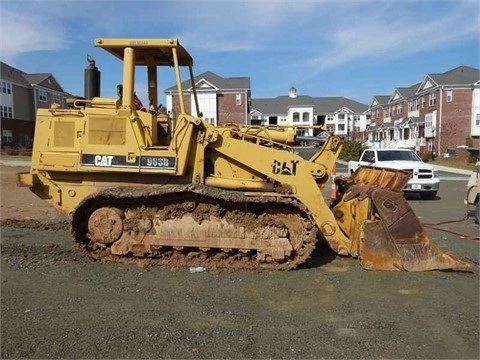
351, 151
425, 154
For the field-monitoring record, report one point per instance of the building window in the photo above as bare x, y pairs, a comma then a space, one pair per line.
477, 119
432, 99
6, 87
424, 102
24, 140
296, 117
449, 95
330, 117
430, 146
238, 99
341, 127
356, 118
341, 116
7, 136
428, 121
6, 112
399, 109
42, 95
413, 105
331, 129
306, 117
57, 99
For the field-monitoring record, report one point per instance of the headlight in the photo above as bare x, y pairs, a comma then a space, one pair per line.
435, 173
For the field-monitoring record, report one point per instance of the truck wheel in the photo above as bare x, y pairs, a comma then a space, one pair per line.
428, 195
477, 212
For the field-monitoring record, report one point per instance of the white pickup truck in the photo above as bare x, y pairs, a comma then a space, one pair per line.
424, 179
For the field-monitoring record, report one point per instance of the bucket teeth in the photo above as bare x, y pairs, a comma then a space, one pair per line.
391, 236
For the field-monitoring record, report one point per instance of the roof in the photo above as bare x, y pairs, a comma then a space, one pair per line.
157, 51
418, 120
13, 75
231, 83
372, 127
462, 75
45, 80
19, 77
410, 91
35, 79
382, 99
321, 105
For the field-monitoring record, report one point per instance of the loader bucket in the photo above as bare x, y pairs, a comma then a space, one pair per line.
385, 233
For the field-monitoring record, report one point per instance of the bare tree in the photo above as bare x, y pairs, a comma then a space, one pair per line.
449, 131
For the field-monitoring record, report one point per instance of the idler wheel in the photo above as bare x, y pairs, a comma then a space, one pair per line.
105, 225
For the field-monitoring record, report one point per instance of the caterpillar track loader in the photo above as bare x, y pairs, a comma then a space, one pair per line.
141, 185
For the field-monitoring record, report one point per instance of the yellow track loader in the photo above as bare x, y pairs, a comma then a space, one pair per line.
142, 185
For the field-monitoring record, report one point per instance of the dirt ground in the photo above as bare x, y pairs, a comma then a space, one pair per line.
55, 303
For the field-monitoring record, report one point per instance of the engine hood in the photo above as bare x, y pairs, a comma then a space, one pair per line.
403, 164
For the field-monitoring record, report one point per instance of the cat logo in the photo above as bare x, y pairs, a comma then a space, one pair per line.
103, 160
284, 168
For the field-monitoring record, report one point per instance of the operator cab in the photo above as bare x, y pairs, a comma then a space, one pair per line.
152, 54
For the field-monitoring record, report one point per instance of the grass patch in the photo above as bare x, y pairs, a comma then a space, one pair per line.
451, 163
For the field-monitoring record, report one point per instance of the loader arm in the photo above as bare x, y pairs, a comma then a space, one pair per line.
304, 179
370, 219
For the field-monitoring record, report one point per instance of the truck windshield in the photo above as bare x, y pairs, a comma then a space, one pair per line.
397, 155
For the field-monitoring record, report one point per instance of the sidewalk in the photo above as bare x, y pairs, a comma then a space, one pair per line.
452, 170
14, 162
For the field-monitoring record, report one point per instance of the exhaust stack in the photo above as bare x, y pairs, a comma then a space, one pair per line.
91, 79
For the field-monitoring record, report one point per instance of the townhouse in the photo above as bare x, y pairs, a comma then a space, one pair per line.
439, 115
221, 100
21, 94
339, 115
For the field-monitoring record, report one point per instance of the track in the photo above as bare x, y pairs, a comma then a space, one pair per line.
192, 225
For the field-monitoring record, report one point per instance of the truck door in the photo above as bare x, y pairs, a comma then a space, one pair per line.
368, 158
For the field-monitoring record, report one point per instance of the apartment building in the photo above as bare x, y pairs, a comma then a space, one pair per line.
21, 94
439, 114
221, 100
339, 115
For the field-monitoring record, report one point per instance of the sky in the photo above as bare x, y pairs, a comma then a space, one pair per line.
352, 48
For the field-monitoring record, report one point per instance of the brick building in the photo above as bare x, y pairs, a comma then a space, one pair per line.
221, 100
21, 94
440, 114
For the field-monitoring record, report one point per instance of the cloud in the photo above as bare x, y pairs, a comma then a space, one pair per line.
27, 32
227, 26
297, 39
383, 34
